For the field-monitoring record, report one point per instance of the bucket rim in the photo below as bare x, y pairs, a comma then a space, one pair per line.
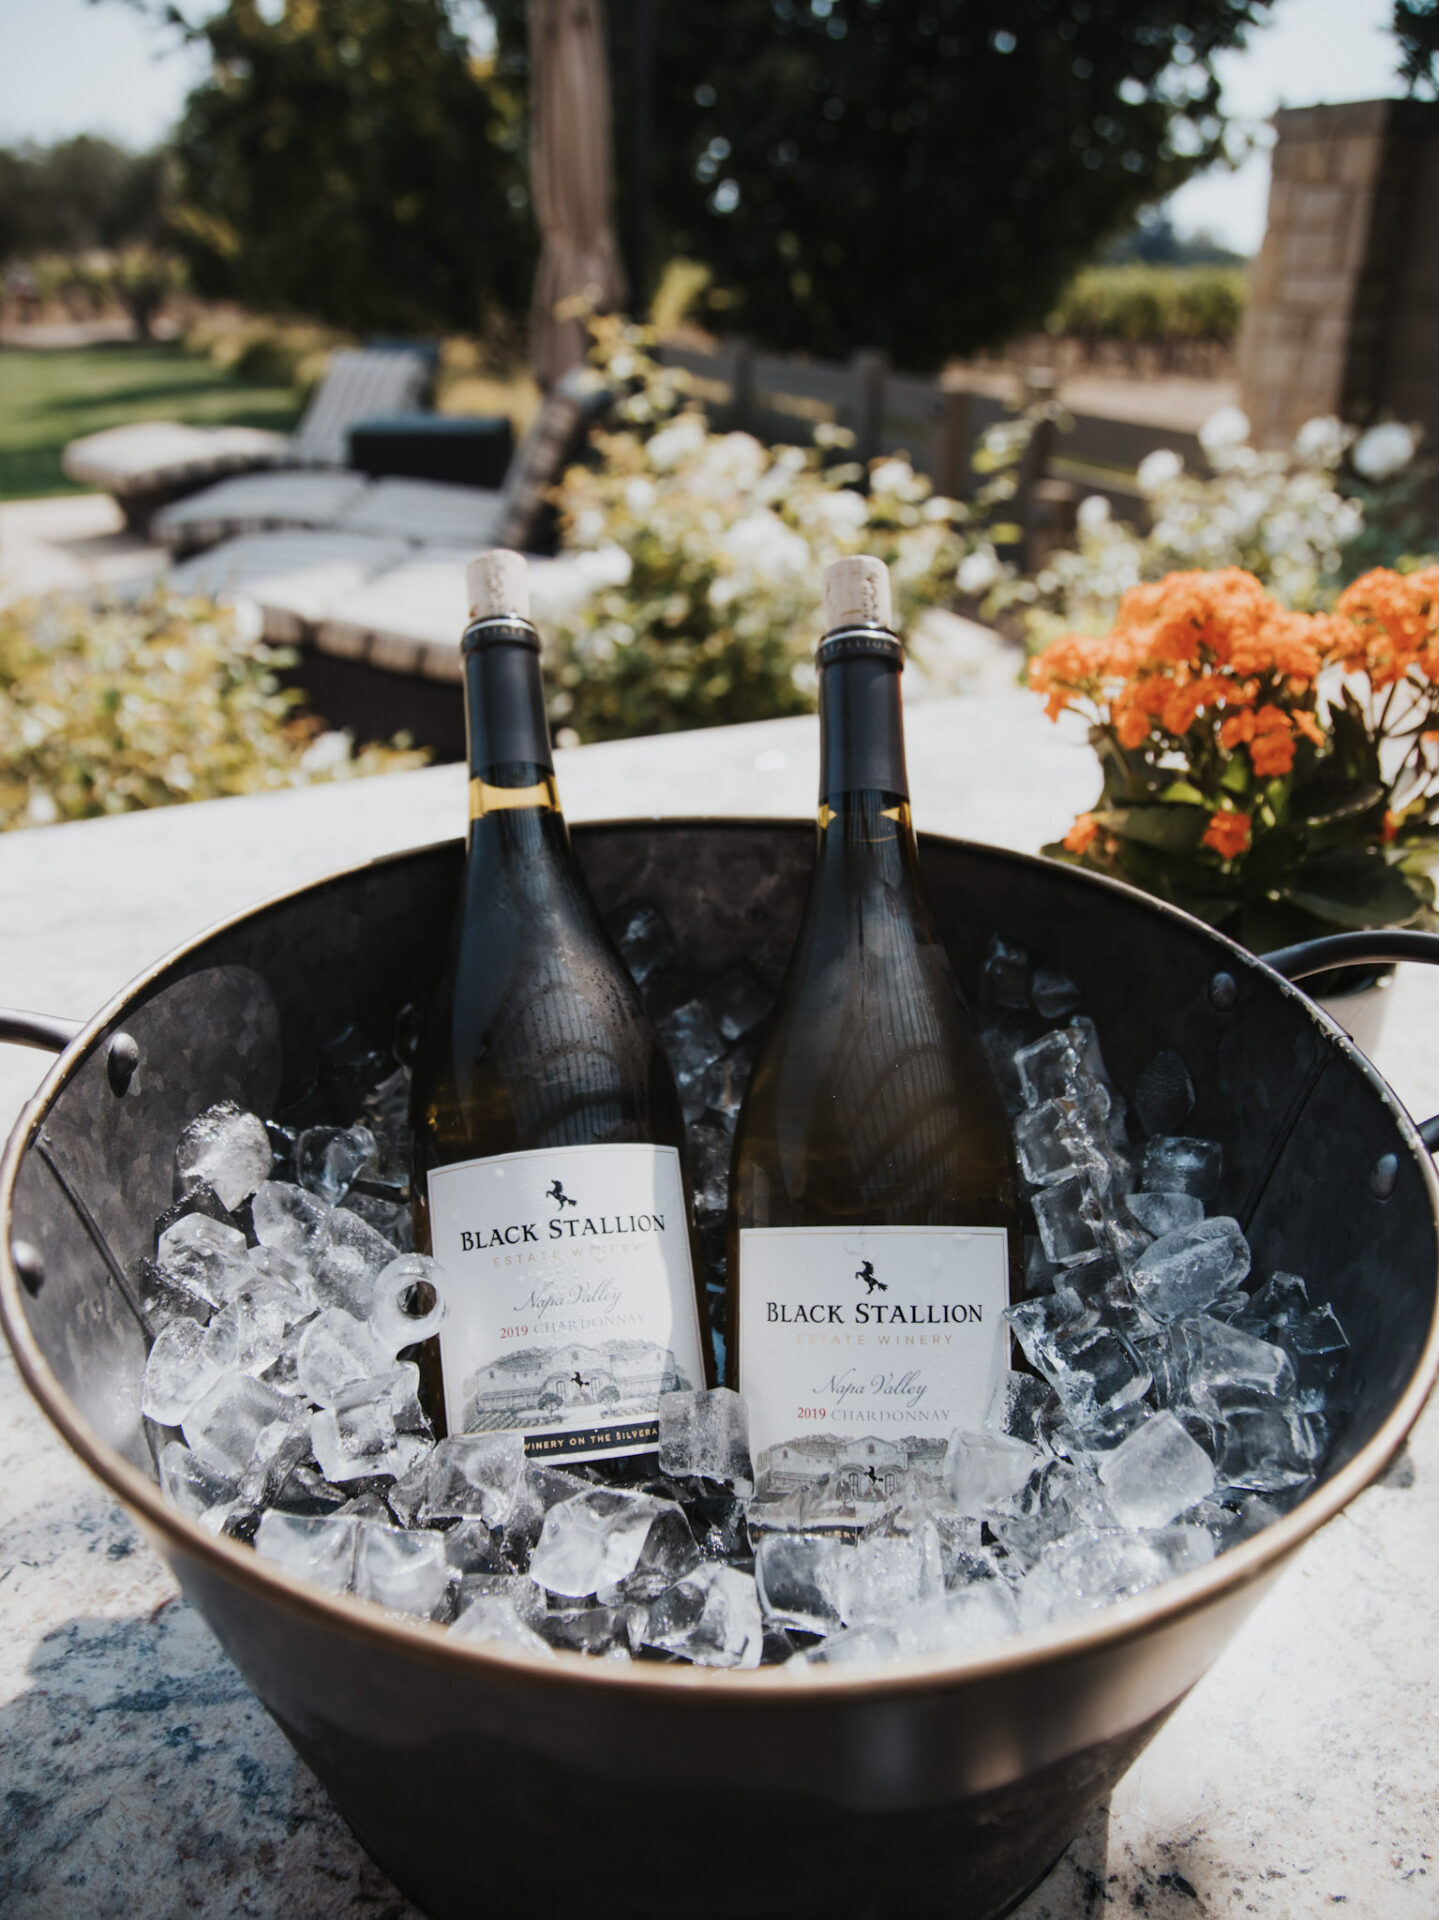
1252, 1562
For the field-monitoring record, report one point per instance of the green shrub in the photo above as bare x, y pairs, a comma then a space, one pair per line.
110, 708
1141, 305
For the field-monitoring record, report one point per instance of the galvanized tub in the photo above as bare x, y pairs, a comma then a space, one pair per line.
484, 1781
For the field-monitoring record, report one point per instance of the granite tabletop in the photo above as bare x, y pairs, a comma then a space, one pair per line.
139, 1778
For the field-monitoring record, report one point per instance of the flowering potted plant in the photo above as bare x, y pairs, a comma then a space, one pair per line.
1275, 773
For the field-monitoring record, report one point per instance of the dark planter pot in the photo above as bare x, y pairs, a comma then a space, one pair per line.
485, 1782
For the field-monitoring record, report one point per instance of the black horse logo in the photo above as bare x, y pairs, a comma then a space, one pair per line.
557, 1193
866, 1273
579, 1380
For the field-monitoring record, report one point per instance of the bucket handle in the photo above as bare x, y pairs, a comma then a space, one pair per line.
1373, 947
44, 1030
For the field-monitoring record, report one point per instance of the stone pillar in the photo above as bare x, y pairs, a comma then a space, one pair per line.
1343, 309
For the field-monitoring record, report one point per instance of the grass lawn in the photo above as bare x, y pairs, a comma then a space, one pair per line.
49, 398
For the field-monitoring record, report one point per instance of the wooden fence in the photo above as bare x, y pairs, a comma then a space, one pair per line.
784, 400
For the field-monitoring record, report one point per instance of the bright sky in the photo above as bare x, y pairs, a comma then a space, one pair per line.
69, 66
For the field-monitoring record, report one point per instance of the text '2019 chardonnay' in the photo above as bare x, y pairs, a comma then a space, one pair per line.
873, 1201
549, 1180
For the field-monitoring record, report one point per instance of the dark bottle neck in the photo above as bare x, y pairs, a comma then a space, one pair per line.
867, 858
861, 727
513, 799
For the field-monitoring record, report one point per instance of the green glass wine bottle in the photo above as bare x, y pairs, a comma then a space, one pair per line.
874, 1218
548, 1175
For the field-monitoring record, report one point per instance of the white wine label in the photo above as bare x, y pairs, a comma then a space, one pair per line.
572, 1306
862, 1349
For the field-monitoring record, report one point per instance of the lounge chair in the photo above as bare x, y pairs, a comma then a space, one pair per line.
155, 461
425, 512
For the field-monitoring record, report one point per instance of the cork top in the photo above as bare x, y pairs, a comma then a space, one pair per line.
498, 583
856, 593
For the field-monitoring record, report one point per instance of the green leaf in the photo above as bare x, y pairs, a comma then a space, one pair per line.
1330, 801
1185, 794
1358, 890
1173, 829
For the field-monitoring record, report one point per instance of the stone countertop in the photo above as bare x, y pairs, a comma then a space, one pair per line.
138, 1776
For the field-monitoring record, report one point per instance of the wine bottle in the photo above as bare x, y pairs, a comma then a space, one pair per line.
548, 1177
873, 1200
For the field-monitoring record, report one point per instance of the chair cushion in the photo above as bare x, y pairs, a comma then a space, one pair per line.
432, 512
256, 503
293, 578
359, 383
154, 456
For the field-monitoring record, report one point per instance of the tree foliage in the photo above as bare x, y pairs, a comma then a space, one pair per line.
917, 175
350, 160
75, 195
1416, 27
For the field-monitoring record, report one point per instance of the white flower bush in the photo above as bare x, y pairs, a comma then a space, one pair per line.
1283, 516
709, 610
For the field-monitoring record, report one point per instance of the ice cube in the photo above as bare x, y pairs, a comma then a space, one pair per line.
202, 1491
541, 1489
1055, 1141
981, 1468
494, 1617
797, 1577
1090, 1569
1055, 1067
409, 1301
1059, 1498
602, 1632
407, 1572
334, 1351
227, 1150
165, 1296
474, 1475
717, 1520
1216, 1359
237, 1420
668, 1554
375, 1426
1156, 1474
643, 936
974, 1616
305, 1490
1005, 980
1018, 1400
1161, 1213
881, 1575
470, 1547
1002, 1036
386, 1111
529, 1601
711, 1617
1070, 1220
348, 1261
1318, 1345
204, 1255
1184, 1271
1039, 1324
705, 1434
389, 1218
250, 1329
1164, 1094
1280, 1299
738, 1002
328, 1160
1095, 1372
692, 1042
319, 1547
1054, 994
1175, 1164
184, 1364
289, 1220
1265, 1447
593, 1540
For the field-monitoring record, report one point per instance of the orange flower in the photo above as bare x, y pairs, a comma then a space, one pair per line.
1306, 723
1228, 834
1391, 825
1081, 835
1386, 624
1272, 748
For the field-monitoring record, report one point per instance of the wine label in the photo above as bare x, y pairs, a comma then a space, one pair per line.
862, 1349
571, 1306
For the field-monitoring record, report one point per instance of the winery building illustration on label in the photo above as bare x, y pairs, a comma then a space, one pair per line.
572, 1307
892, 1335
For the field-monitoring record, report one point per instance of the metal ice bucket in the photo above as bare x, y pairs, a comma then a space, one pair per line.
497, 1782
